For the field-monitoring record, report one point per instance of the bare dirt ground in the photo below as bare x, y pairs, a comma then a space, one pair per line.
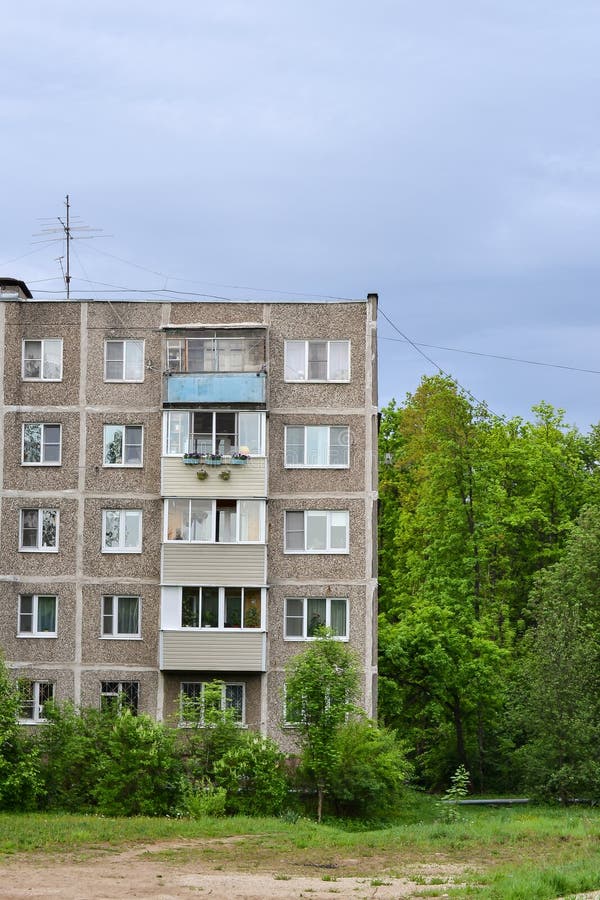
183, 869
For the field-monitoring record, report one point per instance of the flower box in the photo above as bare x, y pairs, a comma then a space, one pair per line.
212, 461
191, 461
238, 461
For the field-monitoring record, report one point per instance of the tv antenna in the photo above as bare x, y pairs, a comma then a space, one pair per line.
66, 231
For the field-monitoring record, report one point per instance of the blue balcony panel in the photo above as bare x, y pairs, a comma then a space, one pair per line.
216, 387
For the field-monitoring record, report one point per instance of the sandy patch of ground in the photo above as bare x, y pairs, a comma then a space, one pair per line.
155, 872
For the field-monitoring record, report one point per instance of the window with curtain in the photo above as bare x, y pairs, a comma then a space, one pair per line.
215, 521
37, 615
41, 444
121, 616
304, 616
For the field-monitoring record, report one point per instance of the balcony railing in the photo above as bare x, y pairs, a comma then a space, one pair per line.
212, 650
216, 387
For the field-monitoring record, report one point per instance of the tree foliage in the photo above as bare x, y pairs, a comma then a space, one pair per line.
472, 507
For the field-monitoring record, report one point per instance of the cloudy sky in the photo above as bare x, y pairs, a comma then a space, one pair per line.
445, 155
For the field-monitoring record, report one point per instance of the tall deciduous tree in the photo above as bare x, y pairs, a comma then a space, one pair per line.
472, 507
557, 703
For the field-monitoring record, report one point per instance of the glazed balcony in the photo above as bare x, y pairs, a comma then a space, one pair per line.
216, 387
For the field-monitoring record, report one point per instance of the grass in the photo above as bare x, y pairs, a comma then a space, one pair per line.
519, 853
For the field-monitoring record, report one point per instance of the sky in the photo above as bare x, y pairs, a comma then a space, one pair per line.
444, 155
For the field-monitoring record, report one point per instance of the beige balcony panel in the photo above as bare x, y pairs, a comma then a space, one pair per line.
203, 651
221, 564
179, 480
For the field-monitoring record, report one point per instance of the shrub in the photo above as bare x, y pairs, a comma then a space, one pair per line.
21, 785
72, 744
140, 773
253, 776
369, 771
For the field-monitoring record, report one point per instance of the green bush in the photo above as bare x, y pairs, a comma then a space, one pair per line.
254, 777
203, 800
140, 771
73, 744
21, 785
369, 771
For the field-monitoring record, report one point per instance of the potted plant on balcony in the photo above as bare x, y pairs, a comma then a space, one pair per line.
192, 459
239, 457
252, 617
202, 474
225, 475
213, 459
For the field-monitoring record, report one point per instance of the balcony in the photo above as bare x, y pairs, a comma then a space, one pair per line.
180, 480
225, 564
216, 387
212, 650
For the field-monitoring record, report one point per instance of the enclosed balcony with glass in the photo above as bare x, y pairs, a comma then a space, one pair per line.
216, 366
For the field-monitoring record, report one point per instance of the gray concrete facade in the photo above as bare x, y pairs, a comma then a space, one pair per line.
119, 566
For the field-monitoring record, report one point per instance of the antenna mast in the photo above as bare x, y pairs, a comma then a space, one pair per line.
67, 229
65, 232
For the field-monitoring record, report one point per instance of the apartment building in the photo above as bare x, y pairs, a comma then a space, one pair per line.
188, 490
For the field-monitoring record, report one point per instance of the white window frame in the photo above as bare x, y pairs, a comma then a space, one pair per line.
309, 465
38, 709
41, 341
328, 514
122, 517
114, 601
40, 525
238, 684
43, 426
221, 616
301, 376
185, 440
121, 691
35, 629
123, 464
305, 636
213, 514
126, 342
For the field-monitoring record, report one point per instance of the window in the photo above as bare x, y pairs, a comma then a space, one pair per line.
316, 446
124, 360
32, 696
121, 530
232, 696
305, 615
215, 521
39, 530
118, 695
123, 445
317, 361
215, 351
214, 432
121, 617
316, 531
41, 444
221, 607
42, 360
37, 615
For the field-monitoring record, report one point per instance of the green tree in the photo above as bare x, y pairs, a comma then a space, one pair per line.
472, 507
321, 687
20, 782
556, 699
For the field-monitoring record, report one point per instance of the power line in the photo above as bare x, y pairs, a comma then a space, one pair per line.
432, 362
530, 362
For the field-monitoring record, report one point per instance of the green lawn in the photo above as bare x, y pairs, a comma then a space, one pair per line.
523, 853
